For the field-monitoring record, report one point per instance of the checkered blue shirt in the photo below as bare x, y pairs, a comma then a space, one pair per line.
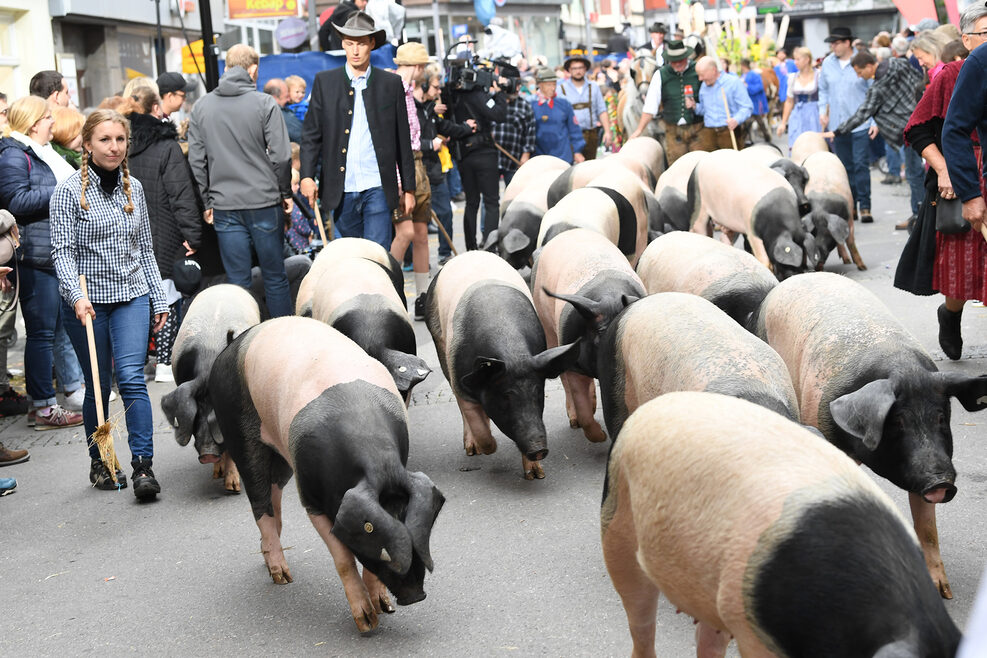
517, 134
107, 244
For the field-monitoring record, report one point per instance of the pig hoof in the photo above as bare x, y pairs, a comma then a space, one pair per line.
595, 434
232, 485
535, 473
573, 423
470, 450
366, 619
280, 575
217, 470
942, 584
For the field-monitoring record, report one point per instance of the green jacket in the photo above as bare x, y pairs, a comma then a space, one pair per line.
673, 94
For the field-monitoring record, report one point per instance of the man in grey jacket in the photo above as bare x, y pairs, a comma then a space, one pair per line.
241, 160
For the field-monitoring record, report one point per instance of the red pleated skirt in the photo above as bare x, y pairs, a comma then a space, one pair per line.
960, 270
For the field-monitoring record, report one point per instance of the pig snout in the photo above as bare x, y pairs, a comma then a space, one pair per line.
208, 459
409, 597
535, 448
940, 493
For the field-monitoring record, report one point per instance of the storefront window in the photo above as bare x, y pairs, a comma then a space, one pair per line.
136, 56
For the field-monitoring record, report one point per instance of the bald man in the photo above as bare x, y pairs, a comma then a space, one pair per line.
718, 122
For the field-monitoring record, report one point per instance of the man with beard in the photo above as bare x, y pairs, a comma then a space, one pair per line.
587, 102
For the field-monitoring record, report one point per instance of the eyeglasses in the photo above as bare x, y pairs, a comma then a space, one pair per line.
982, 34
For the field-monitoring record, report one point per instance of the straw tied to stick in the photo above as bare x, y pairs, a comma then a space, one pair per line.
103, 436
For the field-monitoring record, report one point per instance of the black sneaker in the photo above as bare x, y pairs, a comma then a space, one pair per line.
12, 403
420, 307
145, 486
99, 475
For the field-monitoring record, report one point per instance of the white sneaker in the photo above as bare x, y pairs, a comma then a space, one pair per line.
74, 402
162, 373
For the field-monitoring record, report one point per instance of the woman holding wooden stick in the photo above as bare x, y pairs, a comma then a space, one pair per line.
100, 229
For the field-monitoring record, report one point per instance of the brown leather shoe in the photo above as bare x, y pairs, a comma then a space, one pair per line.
10, 457
865, 216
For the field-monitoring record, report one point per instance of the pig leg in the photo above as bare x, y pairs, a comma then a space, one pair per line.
924, 519
270, 546
844, 255
582, 390
760, 253
570, 406
852, 244
231, 481
363, 610
378, 592
638, 594
477, 438
711, 642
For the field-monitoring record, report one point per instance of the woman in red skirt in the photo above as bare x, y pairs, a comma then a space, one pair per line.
959, 260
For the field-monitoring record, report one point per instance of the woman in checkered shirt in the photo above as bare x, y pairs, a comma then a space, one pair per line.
99, 228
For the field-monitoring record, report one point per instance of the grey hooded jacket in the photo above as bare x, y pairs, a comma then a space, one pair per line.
238, 146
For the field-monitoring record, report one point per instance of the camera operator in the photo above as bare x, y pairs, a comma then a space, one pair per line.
476, 154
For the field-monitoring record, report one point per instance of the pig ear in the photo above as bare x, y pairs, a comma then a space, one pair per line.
407, 370
787, 252
807, 223
970, 391
213, 424
179, 408
423, 506
586, 307
862, 413
553, 362
369, 531
491, 243
516, 241
809, 248
485, 368
838, 227
627, 300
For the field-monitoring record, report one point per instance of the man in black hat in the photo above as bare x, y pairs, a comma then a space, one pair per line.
357, 126
172, 88
672, 85
656, 41
587, 102
841, 92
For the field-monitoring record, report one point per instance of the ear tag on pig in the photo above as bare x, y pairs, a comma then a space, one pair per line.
368, 526
403, 369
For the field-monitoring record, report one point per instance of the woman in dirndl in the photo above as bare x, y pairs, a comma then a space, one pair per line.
801, 111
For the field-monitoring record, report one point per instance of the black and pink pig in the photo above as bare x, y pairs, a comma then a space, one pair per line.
872, 390
293, 395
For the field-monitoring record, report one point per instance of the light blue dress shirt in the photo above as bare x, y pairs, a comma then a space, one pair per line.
843, 91
362, 172
710, 105
590, 93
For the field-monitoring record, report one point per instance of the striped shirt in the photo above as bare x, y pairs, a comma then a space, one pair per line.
109, 245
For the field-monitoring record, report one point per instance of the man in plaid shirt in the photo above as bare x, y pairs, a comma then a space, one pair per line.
516, 135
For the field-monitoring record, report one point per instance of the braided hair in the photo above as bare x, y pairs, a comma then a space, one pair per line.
96, 118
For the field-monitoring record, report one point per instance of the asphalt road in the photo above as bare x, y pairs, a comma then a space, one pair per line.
518, 564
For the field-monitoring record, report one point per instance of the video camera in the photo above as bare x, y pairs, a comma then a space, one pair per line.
471, 72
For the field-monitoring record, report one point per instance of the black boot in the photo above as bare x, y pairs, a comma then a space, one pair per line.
99, 475
145, 486
950, 339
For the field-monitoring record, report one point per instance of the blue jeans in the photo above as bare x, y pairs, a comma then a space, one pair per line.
365, 215
260, 230
915, 173
40, 306
121, 331
68, 372
442, 205
853, 150
894, 157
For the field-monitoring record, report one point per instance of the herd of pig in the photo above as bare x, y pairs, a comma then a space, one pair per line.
740, 394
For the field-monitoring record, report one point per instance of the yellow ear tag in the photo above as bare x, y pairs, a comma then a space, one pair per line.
368, 526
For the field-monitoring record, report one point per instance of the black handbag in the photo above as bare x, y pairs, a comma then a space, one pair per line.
949, 216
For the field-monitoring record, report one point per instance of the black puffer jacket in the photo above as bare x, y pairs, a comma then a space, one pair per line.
157, 161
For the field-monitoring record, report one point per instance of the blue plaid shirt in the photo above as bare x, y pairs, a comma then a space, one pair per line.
107, 244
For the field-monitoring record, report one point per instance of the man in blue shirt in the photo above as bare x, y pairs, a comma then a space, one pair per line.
841, 92
717, 123
556, 130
